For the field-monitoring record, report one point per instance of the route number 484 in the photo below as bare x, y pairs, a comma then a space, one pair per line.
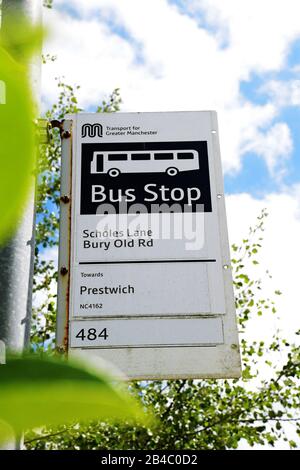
92, 334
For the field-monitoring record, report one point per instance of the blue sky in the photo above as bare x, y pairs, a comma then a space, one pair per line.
254, 174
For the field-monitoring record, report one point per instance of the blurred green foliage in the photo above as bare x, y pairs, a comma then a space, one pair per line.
39, 389
17, 150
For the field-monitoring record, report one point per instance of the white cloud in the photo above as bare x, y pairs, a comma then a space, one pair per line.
51, 254
275, 146
166, 61
279, 254
283, 93
240, 128
259, 32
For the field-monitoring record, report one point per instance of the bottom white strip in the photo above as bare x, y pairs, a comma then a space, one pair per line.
146, 332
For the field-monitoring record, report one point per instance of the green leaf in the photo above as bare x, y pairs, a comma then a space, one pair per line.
17, 141
18, 41
39, 391
293, 444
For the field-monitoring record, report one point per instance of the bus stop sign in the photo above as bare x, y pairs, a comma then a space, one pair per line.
147, 282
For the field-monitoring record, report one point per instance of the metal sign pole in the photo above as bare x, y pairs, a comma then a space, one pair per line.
17, 256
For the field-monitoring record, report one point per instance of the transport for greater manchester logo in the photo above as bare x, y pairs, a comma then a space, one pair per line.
92, 130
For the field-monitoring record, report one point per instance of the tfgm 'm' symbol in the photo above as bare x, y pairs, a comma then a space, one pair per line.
91, 130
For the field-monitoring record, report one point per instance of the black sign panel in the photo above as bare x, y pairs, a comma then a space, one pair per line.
157, 175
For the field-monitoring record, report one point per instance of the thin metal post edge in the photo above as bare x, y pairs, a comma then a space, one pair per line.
64, 238
232, 358
2, 353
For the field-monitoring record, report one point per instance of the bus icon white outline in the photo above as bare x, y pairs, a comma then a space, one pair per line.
144, 161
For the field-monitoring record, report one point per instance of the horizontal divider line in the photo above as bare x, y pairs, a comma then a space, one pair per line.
152, 261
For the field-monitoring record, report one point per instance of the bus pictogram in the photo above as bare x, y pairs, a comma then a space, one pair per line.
153, 161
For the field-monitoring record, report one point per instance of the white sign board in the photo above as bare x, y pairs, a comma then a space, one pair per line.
149, 286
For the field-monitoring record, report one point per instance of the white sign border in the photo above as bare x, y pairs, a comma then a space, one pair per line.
221, 361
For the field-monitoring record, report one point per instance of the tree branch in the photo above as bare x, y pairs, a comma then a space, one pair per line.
45, 436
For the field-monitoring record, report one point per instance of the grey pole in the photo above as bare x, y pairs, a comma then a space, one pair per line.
17, 256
